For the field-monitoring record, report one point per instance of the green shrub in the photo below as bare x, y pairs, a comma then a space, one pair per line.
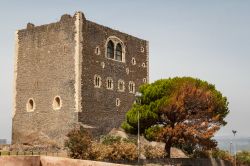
243, 158
128, 128
200, 154
78, 143
221, 154
109, 139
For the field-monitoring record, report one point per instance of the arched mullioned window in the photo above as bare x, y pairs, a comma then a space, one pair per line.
115, 49
118, 52
110, 50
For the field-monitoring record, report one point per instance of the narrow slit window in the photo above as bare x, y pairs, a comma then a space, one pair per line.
117, 102
133, 61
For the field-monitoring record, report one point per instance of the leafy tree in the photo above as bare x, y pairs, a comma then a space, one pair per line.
78, 143
179, 112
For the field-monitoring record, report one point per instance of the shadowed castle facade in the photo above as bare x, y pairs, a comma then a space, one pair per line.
74, 71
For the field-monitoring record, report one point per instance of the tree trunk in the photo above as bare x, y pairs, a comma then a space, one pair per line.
168, 149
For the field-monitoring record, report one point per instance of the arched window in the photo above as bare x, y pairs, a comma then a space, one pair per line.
97, 81
115, 49
109, 83
121, 86
117, 102
110, 50
30, 105
131, 87
57, 103
118, 52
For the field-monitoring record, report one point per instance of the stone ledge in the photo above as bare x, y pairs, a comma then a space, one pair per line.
49, 161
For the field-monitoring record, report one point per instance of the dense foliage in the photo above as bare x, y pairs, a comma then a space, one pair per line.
179, 112
78, 143
243, 158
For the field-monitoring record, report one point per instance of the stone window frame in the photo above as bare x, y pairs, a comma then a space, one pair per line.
30, 105
133, 61
143, 65
103, 65
144, 80
116, 41
142, 49
57, 104
127, 71
131, 87
97, 50
109, 83
120, 81
117, 102
97, 81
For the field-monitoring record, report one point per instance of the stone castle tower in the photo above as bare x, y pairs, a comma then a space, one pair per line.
74, 71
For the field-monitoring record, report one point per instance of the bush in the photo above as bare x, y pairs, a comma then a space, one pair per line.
243, 158
221, 154
128, 128
113, 152
123, 151
153, 152
109, 139
78, 143
100, 151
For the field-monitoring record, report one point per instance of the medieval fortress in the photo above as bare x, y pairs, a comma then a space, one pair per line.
74, 71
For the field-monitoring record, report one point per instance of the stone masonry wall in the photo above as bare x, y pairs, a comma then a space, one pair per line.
99, 110
60, 59
44, 69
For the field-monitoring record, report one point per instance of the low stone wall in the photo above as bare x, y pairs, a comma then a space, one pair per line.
189, 162
180, 162
52, 161
20, 160
56, 161
48, 161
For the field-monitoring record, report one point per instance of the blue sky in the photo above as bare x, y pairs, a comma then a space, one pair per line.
205, 39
